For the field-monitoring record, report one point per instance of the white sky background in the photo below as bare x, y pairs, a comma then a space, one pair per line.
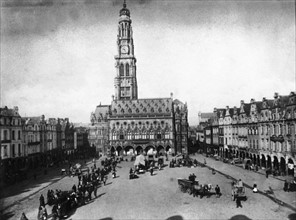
57, 56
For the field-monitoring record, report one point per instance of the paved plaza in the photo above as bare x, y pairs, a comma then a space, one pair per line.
158, 196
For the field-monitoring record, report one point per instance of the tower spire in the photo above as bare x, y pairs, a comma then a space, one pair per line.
126, 80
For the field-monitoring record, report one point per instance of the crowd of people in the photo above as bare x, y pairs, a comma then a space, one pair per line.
63, 202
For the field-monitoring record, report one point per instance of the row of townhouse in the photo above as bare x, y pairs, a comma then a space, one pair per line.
262, 131
31, 142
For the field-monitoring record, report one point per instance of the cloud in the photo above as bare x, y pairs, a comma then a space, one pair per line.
59, 60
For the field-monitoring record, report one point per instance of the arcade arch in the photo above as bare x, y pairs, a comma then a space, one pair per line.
283, 165
139, 150
160, 150
129, 150
263, 161
119, 151
275, 163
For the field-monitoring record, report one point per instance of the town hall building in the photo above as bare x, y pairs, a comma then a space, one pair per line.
132, 124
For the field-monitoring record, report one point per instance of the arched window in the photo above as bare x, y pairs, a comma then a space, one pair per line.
137, 135
151, 135
114, 136
121, 70
127, 69
167, 135
129, 135
128, 31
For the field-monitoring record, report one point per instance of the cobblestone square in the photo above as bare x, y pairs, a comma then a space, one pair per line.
159, 197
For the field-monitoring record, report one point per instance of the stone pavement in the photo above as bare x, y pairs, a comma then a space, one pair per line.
249, 178
158, 197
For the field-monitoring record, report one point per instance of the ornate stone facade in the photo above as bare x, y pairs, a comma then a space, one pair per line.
262, 131
134, 125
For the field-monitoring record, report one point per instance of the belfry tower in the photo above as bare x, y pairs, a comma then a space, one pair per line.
125, 82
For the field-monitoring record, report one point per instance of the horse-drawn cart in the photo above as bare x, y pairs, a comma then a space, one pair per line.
186, 186
194, 188
238, 192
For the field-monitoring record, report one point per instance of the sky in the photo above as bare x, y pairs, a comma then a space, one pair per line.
57, 56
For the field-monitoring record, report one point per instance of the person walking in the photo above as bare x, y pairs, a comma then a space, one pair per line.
286, 186
218, 191
266, 173
41, 200
238, 202
95, 186
151, 171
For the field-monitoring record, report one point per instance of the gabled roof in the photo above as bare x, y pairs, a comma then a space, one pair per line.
178, 102
8, 112
102, 111
31, 120
258, 105
206, 115
52, 121
284, 102
160, 106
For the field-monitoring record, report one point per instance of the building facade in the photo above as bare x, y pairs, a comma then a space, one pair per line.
262, 131
130, 124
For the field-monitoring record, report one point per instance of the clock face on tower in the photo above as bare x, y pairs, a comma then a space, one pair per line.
124, 49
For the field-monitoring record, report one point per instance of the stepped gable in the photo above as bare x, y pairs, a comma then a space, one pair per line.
161, 106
